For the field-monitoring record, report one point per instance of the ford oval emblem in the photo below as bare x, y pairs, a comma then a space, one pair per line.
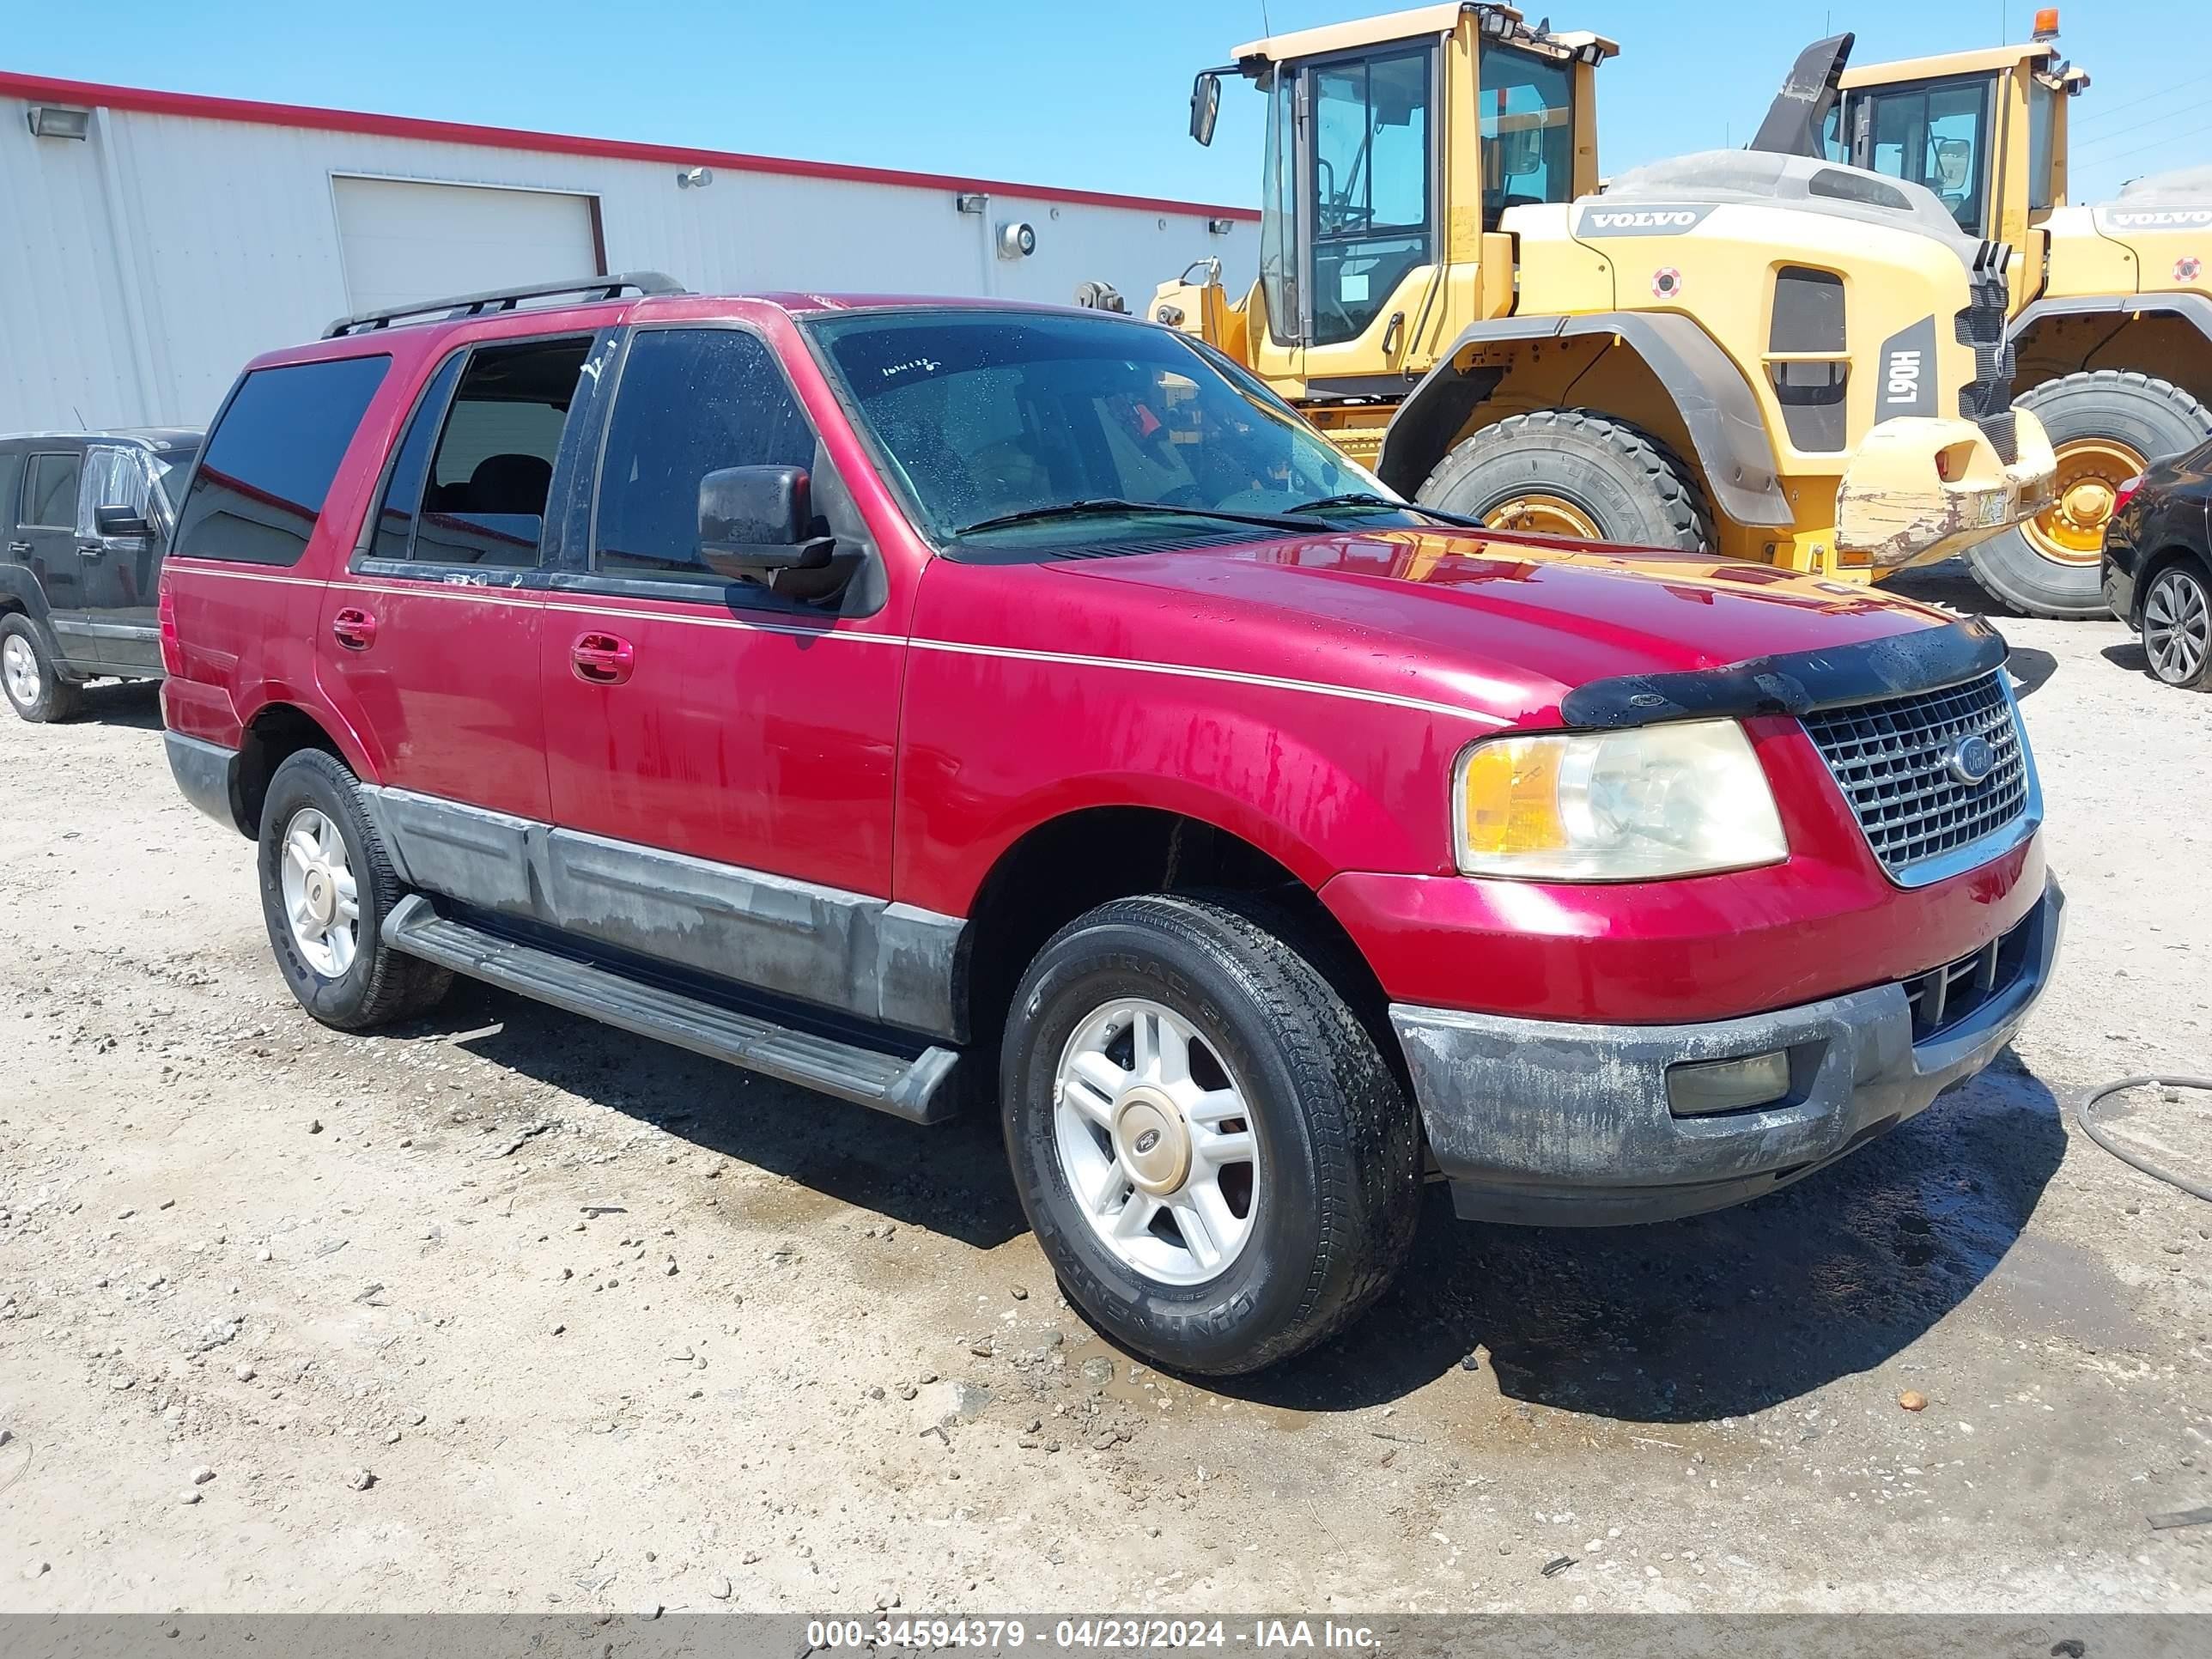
1972, 760
1147, 1141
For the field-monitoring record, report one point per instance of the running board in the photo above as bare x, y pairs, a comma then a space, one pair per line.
916, 1090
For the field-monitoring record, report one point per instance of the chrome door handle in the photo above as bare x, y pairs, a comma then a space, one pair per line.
19, 547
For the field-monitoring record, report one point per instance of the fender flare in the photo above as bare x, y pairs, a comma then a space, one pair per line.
1728, 436
19, 587
2194, 309
21, 590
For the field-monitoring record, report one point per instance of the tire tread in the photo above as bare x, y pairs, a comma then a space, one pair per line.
1667, 479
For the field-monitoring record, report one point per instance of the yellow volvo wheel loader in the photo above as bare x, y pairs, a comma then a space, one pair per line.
2111, 305
1766, 356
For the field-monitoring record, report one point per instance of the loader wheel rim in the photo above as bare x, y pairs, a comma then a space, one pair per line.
2071, 530
1543, 515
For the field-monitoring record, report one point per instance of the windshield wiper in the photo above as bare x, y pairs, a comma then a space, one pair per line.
1108, 504
1362, 498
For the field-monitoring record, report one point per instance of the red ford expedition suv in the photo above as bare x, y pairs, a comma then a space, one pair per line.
923, 700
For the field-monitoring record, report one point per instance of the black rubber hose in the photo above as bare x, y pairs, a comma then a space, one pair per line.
2089, 1126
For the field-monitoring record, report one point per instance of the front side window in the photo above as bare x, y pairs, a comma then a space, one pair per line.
691, 402
1937, 136
50, 487
1528, 132
977, 415
271, 459
1372, 174
114, 476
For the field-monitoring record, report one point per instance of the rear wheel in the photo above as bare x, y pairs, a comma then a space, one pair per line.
2176, 626
2106, 425
1576, 473
1218, 1162
326, 886
30, 676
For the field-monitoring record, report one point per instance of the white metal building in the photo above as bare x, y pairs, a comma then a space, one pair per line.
150, 242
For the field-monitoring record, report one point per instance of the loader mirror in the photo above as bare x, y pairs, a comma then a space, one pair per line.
1204, 106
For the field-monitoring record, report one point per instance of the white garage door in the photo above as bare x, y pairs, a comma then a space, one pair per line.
404, 242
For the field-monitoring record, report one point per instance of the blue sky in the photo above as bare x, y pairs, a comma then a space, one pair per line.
1046, 92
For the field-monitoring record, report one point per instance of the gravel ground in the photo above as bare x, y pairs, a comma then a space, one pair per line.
505, 1311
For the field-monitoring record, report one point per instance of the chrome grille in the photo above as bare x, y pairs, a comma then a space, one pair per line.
1893, 761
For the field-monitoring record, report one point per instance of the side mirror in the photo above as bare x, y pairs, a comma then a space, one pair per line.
118, 520
757, 521
1204, 106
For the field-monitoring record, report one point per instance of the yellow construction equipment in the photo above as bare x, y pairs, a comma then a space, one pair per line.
2111, 305
1770, 357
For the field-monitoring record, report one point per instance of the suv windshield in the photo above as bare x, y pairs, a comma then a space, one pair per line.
979, 416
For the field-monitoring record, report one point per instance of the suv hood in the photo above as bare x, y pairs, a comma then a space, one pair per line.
1491, 621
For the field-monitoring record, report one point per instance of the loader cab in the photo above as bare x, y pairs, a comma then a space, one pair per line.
1393, 145
1985, 130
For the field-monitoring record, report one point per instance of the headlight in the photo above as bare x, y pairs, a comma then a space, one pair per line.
1634, 805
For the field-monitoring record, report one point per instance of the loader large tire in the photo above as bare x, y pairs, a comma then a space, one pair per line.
1574, 472
2105, 424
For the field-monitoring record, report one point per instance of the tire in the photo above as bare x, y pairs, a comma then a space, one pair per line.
30, 676
369, 985
1332, 1184
2152, 417
1627, 484
2177, 625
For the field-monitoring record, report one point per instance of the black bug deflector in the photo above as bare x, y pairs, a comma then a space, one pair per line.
1925, 660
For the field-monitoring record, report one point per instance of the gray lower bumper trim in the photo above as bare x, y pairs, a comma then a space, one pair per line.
1548, 1122
207, 774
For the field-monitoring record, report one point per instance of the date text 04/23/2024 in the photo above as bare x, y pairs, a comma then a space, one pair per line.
1111, 1634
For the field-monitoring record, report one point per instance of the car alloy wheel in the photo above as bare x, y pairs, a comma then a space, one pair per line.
19, 667
2176, 626
1156, 1142
320, 900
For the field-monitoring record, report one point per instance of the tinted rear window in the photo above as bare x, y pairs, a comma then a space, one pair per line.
271, 459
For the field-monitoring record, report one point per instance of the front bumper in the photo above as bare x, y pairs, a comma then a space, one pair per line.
1893, 509
1545, 1122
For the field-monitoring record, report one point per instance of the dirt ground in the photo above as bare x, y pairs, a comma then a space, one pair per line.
506, 1311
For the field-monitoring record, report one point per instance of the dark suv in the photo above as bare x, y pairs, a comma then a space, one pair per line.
927, 702
86, 516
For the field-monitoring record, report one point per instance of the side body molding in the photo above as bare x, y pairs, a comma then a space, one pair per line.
892, 963
1733, 449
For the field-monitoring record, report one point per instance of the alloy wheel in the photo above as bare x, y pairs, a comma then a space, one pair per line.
19, 667
1156, 1142
2177, 628
321, 900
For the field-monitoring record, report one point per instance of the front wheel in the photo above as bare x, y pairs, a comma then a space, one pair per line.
1216, 1161
2106, 425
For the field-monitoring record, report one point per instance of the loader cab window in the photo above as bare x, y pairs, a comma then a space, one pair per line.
1374, 209
1937, 136
1279, 279
1528, 132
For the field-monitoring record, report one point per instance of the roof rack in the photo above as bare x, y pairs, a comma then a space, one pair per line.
646, 282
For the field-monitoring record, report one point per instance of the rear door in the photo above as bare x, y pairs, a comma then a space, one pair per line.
119, 573
44, 539
430, 638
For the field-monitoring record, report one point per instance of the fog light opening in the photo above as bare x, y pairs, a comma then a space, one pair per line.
1701, 1088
